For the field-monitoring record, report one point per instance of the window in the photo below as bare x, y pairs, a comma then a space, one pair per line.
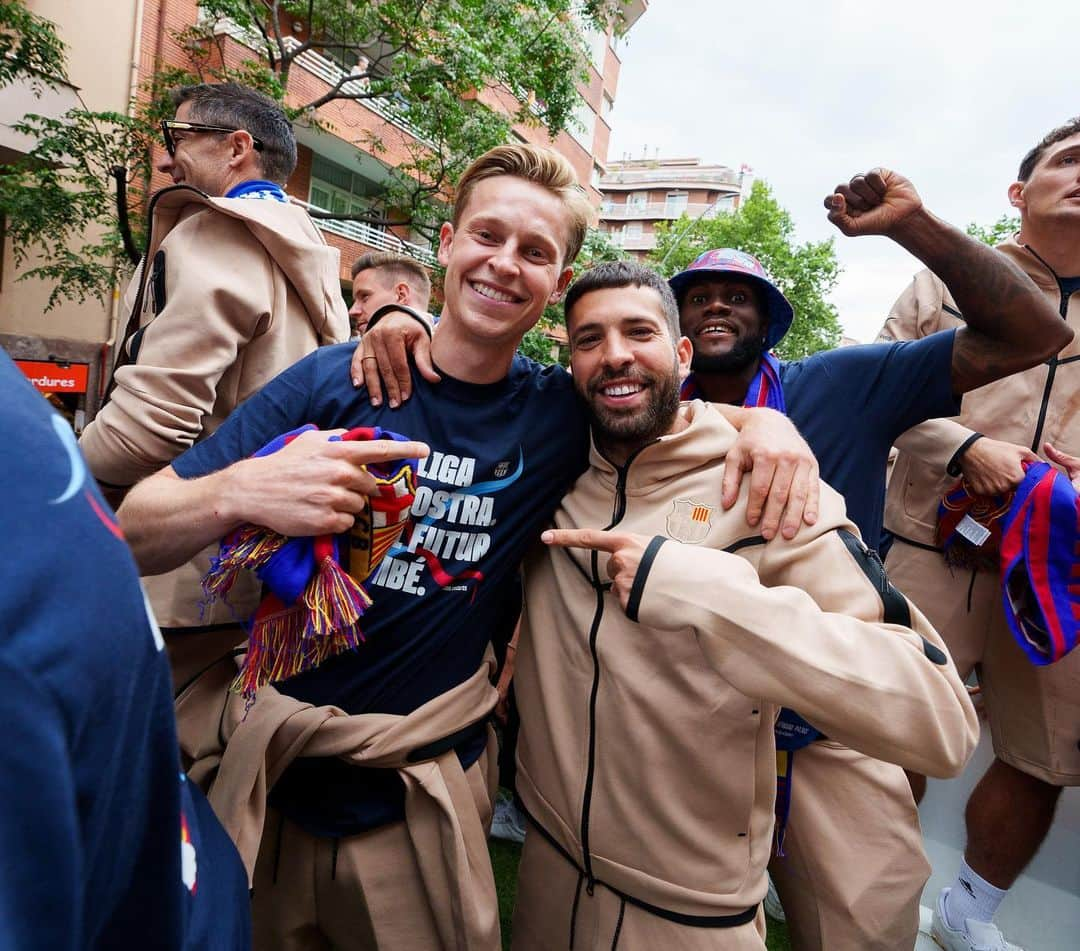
675, 204
637, 200
343, 192
633, 229
583, 126
595, 42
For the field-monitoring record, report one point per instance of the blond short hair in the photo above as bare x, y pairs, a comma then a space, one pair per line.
542, 167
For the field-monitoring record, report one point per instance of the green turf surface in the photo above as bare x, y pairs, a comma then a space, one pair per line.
504, 859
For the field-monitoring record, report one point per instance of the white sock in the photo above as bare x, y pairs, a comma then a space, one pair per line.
971, 896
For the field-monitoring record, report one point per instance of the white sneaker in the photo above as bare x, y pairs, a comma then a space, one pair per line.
773, 908
974, 936
508, 822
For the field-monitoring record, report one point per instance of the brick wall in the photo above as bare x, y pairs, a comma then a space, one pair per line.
353, 121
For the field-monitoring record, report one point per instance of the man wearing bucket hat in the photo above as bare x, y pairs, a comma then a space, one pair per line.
1034, 711
847, 820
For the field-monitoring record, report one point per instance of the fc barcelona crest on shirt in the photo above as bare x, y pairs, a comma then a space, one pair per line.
689, 521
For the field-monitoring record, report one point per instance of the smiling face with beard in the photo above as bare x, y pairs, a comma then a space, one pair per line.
627, 369
724, 319
639, 422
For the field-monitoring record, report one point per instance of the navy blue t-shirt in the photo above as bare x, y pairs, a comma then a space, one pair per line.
503, 454
1069, 285
852, 403
104, 843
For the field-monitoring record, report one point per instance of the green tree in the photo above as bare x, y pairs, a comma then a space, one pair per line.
1005, 227
29, 47
761, 227
432, 65
52, 199
538, 343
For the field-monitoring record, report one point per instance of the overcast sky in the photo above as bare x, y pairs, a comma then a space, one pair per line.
950, 94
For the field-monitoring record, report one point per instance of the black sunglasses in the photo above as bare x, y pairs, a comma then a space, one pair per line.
169, 126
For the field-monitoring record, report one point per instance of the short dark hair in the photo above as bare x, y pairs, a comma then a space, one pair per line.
614, 274
399, 266
1029, 161
234, 106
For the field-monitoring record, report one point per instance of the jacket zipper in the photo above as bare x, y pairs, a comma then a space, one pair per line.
617, 514
136, 310
1052, 363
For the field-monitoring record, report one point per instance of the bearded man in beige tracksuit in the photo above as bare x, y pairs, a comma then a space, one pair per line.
660, 637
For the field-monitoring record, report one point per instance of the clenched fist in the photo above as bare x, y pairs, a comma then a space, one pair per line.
874, 203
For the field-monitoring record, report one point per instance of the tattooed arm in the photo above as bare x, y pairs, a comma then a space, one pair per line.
1010, 323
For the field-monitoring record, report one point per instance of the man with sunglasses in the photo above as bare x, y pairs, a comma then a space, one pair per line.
236, 285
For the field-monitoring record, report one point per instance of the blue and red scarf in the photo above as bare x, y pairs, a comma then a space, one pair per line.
1033, 536
969, 527
315, 584
1040, 564
792, 732
765, 388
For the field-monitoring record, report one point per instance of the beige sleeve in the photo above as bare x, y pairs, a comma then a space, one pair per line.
809, 632
935, 441
219, 286
918, 312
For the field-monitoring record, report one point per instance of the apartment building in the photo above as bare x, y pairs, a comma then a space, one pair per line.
638, 193
70, 349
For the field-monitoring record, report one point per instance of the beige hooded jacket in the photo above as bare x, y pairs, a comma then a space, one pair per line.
1039, 405
646, 752
231, 292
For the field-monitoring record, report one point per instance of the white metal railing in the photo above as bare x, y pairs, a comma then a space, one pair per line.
661, 209
660, 175
364, 233
645, 241
327, 70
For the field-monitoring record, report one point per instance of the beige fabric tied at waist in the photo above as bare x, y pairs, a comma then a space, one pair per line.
440, 812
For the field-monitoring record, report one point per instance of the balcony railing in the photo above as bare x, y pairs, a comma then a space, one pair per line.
659, 177
661, 209
328, 71
366, 234
633, 242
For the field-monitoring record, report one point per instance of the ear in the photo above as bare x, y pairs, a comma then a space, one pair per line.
402, 292
446, 242
242, 148
684, 353
1016, 194
561, 285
